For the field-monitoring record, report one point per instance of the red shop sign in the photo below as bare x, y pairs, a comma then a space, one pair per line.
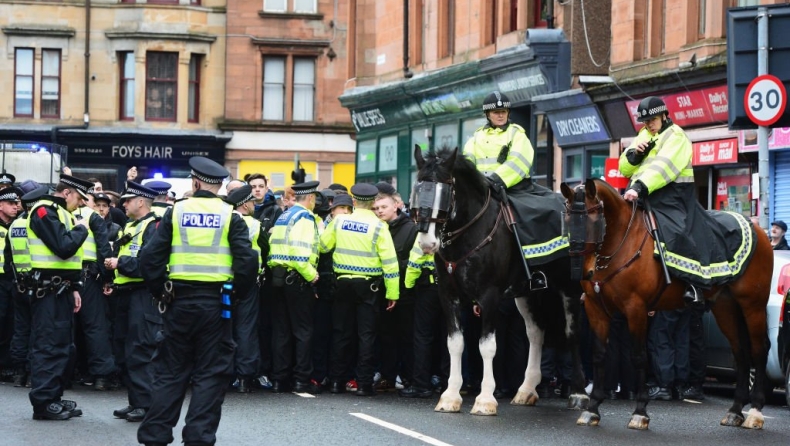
722, 151
613, 175
691, 108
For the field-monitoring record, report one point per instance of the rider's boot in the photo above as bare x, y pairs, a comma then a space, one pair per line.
692, 297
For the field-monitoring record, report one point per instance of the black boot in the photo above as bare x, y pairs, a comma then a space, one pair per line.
692, 297
245, 386
19, 378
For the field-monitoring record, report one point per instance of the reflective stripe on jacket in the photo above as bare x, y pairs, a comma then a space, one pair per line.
20, 250
669, 161
200, 249
41, 257
254, 226
135, 229
89, 246
484, 148
417, 262
294, 242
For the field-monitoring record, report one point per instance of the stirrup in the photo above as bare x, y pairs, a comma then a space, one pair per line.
692, 297
538, 281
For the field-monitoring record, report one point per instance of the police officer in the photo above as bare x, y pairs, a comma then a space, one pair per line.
137, 317
161, 203
364, 255
293, 259
6, 180
207, 249
17, 256
245, 324
9, 197
55, 240
92, 319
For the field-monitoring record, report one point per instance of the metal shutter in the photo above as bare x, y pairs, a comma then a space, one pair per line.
780, 193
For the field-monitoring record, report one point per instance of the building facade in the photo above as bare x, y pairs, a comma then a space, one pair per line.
287, 62
121, 83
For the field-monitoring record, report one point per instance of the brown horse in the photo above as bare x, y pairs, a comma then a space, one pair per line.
620, 273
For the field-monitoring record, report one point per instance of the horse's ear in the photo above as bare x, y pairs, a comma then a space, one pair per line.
418, 156
566, 190
589, 189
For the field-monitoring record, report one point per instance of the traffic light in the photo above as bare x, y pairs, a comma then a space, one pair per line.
298, 175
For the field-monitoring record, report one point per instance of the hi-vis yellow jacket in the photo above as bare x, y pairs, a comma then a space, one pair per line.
669, 161
294, 242
417, 262
485, 145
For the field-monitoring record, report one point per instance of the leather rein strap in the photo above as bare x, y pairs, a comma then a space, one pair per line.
452, 266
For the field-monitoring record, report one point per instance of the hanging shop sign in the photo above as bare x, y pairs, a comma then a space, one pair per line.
690, 108
722, 151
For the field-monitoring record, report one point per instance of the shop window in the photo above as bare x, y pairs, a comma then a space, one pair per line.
193, 105
304, 89
161, 86
301, 6
445, 136
573, 166
50, 83
23, 82
127, 68
366, 157
276, 88
419, 136
539, 144
468, 128
388, 153
733, 191
583, 163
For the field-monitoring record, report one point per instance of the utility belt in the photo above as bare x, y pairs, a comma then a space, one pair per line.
128, 287
427, 277
90, 270
375, 281
282, 276
195, 291
33, 284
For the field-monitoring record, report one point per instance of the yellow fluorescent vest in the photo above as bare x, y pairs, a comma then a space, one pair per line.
89, 246
3, 235
417, 262
485, 145
201, 250
363, 247
41, 257
294, 242
17, 234
135, 229
254, 226
669, 161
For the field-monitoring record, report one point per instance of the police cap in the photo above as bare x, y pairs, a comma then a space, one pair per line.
240, 195
342, 200
649, 108
207, 171
138, 190
328, 193
80, 185
34, 195
306, 188
162, 187
496, 101
337, 186
7, 178
11, 194
364, 191
386, 188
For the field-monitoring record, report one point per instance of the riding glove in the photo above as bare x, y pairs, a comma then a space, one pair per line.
496, 184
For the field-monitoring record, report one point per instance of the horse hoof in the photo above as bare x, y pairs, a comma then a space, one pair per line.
484, 408
588, 418
639, 422
525, 399
732, 419
754, 420
578, 401
448, 405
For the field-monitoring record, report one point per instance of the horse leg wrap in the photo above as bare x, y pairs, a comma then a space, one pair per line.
754, 419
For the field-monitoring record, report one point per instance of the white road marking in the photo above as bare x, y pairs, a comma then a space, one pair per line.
304, 395
401, 430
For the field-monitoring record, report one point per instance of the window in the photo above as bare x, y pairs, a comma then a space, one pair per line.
274, 88
161, 86
50, 83
702, 18
388, 153
302, 6
23, 82
748, 2
540, 13
193, 108
126, 63
304, 89
446, 28
366, 156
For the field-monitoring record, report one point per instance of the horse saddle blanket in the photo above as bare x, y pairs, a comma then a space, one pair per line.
538, 213
713, 249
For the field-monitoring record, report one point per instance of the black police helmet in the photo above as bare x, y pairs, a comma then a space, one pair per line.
496, 101
649, 108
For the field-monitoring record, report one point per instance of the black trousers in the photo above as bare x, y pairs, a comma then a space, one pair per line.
6, 321
619, 365
144, 323
50, 347
92, 319
322, 337
668, 346
696, 348
20, 343
512, 346
427, 339
356, 307
196, 344
245, 334
292, 332
265, 326
396, 338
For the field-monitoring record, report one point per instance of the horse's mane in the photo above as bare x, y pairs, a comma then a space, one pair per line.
464, 171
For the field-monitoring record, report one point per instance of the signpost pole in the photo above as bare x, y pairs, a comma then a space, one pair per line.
762, 131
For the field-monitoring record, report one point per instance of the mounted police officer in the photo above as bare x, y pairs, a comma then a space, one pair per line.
55, 240
293, 259
207, 250
137, 317
245, 326
17, 256
366, 266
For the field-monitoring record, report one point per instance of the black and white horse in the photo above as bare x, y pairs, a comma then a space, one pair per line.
477, 260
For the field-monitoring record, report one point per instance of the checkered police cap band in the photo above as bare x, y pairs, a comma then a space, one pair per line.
205, 179
74, 184
249, 197
307, 191
9, 196
364, 198
499, 104
133, 191
655, 111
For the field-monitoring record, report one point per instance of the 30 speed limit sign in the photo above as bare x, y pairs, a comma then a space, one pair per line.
765, 100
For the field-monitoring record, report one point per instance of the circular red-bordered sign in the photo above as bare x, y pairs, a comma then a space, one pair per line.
765, 100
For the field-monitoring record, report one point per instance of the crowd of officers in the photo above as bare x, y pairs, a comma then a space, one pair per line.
213, 291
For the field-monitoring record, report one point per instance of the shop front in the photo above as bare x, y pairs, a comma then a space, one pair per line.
779, 168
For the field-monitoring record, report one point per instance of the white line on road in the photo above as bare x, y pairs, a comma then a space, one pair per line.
401, 430
304, 394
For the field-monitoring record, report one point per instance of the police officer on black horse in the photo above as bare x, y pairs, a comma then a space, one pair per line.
206, 248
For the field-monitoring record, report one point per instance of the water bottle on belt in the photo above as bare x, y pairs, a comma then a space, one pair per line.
227, 290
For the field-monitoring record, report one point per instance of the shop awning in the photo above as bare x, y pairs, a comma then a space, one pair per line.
574, 118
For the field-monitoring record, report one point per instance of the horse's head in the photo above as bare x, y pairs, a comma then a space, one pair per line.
432, 195
584, 219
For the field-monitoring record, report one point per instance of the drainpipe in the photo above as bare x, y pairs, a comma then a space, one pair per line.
549, 132
406, 71
86, 114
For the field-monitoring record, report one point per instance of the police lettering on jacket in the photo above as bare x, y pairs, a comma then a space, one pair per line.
193, 220
354, 226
